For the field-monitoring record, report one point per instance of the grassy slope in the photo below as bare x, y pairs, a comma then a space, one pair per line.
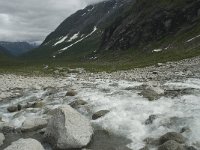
122, 60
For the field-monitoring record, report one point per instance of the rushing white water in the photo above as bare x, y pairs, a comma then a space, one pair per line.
128, 110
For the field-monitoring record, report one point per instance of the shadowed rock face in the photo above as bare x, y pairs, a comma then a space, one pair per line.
122, 25
171, 145
172, 136
146, 22
103, 140
83, 21
3, 52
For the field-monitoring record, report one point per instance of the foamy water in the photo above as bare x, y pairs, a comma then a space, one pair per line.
128, 110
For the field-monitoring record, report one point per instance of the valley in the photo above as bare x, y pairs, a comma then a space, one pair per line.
114, 75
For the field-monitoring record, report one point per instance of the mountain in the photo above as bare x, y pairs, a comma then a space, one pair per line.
4, 54
80, 34
17, 48
151, 20
127, 30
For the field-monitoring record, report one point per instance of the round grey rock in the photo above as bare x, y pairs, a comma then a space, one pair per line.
32, 124
77, 103
71, 93
99, 114
25, 144
171, 145
172, 136
2, 138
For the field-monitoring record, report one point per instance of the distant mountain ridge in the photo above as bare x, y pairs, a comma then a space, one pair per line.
4, 54
3, 51
17, 48
122, 29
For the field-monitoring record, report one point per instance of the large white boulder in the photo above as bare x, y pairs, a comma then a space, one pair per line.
68, 129
2, 138
25, 144
32, 124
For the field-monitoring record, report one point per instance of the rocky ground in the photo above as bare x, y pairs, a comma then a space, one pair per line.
156, 107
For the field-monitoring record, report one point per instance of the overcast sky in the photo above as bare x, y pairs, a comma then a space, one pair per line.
33, 20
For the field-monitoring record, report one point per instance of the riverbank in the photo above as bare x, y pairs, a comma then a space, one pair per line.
140, 104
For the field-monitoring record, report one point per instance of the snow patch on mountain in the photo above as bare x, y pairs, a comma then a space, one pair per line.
192, 39
157, 50
60, 51
62, 40
75, 36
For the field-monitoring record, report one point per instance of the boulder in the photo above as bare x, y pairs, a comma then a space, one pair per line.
150, 119
38, 104
155, 72
2, 138
99, 114
185, 129
6, 129
25, 144
152, 141
159, 64
150, 94
32, 124
172, 136
68, 129
77, 103
12, 109
76, 70
71, 93
171, 145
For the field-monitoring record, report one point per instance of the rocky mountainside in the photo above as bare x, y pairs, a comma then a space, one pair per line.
127, 29
3, 52
81, 32
149, 21
17, 48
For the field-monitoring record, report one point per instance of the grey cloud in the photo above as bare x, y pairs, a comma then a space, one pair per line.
33, 20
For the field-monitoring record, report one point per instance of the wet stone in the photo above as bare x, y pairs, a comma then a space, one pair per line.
150, 119
2, 138
172, 136
12, 109
71, 93
152, 141
185, 129
77, 103
103, 140
171, 145
99, 114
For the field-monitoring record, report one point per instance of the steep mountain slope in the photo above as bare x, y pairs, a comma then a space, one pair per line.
4, 55
149, 21
3, 52
80, 34
136, 30
17, 48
